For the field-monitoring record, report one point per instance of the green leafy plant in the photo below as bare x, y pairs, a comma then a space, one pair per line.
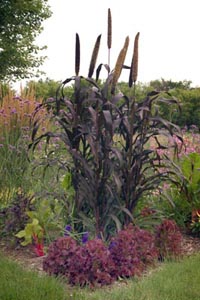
195, 224
190, 165
184, 196
31, 230
33, 233
44, 223
106, 135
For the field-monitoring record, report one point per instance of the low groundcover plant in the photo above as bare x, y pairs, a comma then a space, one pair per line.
127, 254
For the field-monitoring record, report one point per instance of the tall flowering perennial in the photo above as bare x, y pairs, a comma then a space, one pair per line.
16, 114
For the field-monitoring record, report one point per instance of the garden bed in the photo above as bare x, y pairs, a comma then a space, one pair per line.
26, 257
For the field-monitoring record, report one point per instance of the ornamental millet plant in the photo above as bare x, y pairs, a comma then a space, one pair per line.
109, 177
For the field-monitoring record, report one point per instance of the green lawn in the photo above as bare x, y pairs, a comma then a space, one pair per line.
171, 281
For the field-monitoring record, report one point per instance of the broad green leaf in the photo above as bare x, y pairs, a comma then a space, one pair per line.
67, 181
21, 234
35, 222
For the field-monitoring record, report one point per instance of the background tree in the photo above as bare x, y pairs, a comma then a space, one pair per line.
20, 24
190, 106
166, 85
46, 88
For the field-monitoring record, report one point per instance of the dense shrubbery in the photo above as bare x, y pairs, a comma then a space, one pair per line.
129, 253
81, 264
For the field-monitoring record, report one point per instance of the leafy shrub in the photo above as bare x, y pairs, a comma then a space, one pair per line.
91, 264
132, 250
184, 196
81, 264
190, 165
128, 254
168, 239
59, 255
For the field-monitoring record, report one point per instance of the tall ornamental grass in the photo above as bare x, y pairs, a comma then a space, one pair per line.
109, 178
15, 135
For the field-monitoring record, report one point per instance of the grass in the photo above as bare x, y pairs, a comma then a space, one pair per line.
18, 284
171, 281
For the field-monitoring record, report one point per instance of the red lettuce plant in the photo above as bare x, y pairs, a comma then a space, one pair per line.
91, 264
87, 263
128, 254
132, 250
168, 239
59, 255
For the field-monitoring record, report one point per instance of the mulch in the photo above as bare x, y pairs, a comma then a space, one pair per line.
26, 257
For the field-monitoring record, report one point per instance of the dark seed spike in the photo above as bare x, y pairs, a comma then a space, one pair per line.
77, 55
134, 63
109, 40
94, 56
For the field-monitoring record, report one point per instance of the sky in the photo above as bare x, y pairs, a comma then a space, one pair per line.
169, 43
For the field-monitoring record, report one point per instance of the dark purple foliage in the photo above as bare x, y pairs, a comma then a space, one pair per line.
168, 239
91, 264
131, 251
81, 264
59, 254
